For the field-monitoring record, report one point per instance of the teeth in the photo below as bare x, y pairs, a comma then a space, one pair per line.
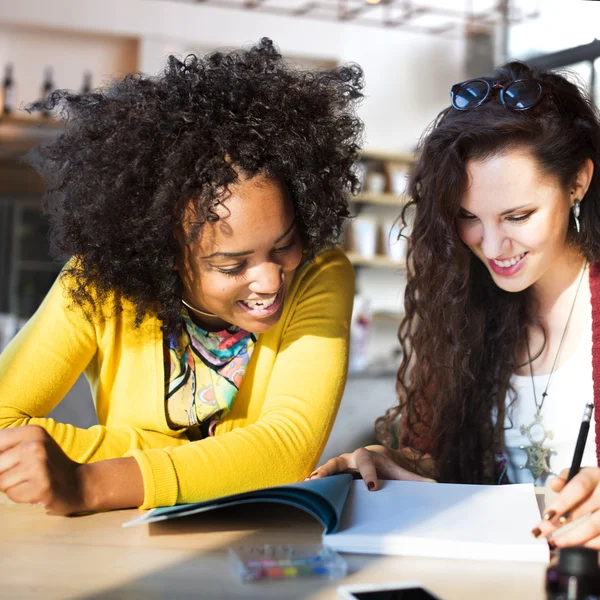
509, 263
259, 303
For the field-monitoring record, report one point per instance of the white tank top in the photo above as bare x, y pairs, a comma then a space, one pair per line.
570, 390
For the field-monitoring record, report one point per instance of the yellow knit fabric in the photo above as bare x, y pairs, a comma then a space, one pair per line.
275, 432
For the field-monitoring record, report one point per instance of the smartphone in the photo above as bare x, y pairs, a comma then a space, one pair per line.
405, 590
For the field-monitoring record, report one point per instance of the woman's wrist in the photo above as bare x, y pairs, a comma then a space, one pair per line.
417, 462
110, 484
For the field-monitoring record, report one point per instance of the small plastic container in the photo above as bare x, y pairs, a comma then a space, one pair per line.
395, 244
255, 563
364, 236
575, 576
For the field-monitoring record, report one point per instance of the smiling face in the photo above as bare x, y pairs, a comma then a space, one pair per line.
515, 218
239, 267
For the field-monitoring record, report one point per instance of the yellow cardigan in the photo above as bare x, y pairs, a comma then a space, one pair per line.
280, 419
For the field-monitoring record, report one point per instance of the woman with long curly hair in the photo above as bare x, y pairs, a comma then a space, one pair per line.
502, 298
203, 297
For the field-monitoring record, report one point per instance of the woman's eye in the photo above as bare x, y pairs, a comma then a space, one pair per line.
466, 217
284, 248
520, 218
233, 271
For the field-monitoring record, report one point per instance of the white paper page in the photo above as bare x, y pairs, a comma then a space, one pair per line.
441, 520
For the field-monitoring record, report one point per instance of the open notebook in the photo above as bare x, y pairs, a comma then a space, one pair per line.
404, 517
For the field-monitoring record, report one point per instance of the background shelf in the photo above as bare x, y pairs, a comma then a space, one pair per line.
19, 134
24, 119
387, 317
387, 156
376, 261
384, 199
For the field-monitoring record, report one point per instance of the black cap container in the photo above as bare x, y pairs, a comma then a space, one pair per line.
576, 575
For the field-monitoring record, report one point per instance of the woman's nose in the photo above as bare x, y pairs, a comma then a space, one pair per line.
494, 243
267, 279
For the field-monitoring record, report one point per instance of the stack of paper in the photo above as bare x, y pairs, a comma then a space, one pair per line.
441, 520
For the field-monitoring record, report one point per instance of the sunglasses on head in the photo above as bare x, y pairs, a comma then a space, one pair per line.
521, 94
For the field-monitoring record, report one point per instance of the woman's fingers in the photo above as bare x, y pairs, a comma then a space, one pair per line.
14, 436
574, 493
10, 458
24, 493
11, 478
583, 510
587, 506
339, 464
585, 533
579, 497
559, 482
371, 463
15, 465
366, 463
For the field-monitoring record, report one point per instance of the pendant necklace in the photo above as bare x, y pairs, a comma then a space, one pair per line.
538, 456
197, 310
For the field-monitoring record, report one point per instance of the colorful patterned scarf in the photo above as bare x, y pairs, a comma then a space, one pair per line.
203, 372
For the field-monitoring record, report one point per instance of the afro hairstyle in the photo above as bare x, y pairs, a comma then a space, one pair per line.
134, 153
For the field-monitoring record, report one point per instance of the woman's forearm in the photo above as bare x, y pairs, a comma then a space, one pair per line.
111, 484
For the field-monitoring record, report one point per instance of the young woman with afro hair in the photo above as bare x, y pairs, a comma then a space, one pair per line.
203, 296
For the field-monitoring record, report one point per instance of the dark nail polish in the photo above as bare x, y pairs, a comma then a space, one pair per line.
370, 485
551, 545
549, 515
536, 532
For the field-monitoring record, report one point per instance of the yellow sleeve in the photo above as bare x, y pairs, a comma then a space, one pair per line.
41, 364
303, 396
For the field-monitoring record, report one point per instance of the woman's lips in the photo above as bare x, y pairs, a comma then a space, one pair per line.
260, 312
508, 271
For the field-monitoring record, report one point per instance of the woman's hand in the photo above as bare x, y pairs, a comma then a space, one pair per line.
35, 470
371, 463
580, 497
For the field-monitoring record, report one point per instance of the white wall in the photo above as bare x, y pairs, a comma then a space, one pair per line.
562, 24
408, 75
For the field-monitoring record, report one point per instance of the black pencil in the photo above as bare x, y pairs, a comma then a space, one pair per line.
581, 440
579, 448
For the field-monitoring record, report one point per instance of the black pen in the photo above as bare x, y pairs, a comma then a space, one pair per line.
579, 448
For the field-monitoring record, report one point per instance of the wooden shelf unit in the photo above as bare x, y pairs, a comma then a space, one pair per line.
19, 134
21, 119
378, 261
383, 199
384, 176
387, 317
388, 156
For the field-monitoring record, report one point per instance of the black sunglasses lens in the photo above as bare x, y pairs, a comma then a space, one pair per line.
521, 95
470, 94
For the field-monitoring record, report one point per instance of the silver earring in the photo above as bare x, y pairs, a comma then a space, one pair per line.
576, 212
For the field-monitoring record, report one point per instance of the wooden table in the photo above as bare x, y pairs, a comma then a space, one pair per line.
93, 557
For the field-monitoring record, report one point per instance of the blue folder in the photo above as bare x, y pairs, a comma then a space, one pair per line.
322, 498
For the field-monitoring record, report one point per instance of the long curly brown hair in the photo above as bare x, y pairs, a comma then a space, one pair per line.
461, 334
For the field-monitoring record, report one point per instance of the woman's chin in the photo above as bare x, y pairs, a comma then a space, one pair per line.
512, 284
